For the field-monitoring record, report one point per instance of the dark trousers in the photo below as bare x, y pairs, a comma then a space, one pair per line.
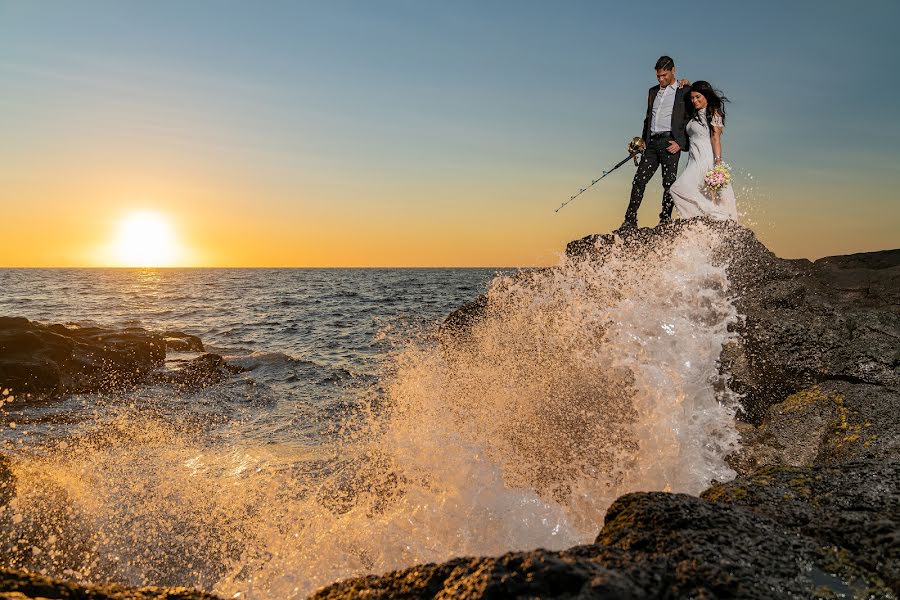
654, 156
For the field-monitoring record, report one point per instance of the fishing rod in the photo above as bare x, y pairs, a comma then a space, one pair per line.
637, 146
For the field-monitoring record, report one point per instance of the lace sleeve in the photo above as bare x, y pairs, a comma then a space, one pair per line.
717, 121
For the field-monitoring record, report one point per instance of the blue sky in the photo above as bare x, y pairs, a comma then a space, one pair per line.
467, 122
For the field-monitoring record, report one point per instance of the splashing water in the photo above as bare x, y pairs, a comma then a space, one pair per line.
575, 385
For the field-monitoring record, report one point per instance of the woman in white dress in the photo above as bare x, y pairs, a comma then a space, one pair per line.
692, 199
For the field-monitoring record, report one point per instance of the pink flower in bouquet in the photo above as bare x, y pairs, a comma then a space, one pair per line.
717, 178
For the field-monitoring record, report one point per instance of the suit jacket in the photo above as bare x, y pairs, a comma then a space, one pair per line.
679, 115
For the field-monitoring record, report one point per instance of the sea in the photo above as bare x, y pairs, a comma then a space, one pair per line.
362, 437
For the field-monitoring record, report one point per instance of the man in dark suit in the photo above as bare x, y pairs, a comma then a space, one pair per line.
666, 137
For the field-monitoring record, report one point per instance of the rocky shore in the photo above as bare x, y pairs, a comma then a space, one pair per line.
20, 585
813, 513
784, 532
52, 361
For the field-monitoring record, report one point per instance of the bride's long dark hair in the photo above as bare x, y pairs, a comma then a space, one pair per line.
715, 101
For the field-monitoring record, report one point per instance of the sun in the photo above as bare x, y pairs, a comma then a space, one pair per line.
145, 240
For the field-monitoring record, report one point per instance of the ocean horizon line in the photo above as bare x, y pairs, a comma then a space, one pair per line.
272, 268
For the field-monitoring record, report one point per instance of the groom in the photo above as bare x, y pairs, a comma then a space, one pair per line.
666, 137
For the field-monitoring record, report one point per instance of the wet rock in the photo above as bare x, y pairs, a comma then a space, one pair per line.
810, 323
886, 259
794, 432
200, 372
537, 574
54, 359
21, 585
182, 342
7, 482
852, 509
789, 532
826, 423
454, 327
460, 319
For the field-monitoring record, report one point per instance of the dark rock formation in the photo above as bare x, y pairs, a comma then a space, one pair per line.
852, 509
54, 360
824, 424
886, 259
817, 322
182, 342
819, 354
782, 533
20, 585
200, 372
7, 482
459, 320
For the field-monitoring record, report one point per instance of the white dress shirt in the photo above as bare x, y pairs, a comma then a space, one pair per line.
663, 104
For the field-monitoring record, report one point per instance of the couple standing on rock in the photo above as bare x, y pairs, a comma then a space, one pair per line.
682, 118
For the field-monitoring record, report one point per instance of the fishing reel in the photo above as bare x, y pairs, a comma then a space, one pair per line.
635, 147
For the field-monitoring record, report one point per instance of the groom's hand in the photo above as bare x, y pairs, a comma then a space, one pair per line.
673, 148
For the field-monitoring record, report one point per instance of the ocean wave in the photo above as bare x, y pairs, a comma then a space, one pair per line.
578, 384
261, 358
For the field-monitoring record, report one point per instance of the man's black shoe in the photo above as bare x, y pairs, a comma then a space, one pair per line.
626, 227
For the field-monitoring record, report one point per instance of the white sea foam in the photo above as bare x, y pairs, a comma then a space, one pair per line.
578, 384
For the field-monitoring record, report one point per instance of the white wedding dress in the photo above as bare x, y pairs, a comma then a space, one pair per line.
690, 197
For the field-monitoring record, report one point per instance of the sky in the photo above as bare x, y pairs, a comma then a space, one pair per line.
425, 133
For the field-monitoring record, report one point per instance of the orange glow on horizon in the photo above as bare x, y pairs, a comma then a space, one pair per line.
208, 219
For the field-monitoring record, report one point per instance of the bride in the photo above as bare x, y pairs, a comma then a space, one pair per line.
707, 120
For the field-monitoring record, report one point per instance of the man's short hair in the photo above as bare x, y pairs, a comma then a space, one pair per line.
665, 63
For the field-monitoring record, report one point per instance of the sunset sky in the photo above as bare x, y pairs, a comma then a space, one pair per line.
424, 133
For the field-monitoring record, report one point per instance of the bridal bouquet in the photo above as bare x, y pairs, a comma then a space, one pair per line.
717, 178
